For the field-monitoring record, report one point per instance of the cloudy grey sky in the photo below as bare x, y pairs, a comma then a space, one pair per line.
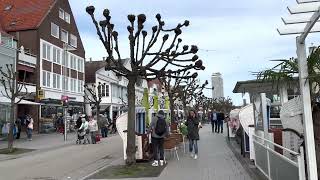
240, 34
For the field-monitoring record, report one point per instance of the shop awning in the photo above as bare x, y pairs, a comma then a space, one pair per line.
4, 100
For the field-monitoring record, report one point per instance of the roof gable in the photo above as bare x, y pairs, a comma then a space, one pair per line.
17, 15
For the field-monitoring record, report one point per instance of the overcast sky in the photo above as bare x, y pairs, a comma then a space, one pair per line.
235, 37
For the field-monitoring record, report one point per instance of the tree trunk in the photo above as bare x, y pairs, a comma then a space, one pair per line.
12, 118
171, 108
131, 137
184, 103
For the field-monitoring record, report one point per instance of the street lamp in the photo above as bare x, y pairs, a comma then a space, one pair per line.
312, 8
66, 49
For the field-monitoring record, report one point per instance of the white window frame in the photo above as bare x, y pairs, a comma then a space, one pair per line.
61, 16
79, 83
65, 83
65, 60
56, 55
73, 62
46, 51
62, 31
46, 79
65, 17
73, 37
57, 84
81, 86
58, 30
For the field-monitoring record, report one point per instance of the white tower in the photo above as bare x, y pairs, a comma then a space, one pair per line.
217, 83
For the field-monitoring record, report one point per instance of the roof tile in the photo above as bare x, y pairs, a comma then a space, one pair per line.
23, 14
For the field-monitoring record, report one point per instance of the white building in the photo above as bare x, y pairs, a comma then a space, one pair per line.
114, 88
217, 83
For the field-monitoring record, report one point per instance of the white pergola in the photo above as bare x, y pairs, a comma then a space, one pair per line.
302, 21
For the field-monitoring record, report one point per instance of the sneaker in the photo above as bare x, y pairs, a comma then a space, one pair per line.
196, 156
155, 164
191, 155
161, 162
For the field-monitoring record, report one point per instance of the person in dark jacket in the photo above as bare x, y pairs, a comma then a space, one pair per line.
193, 124
157, 140
220, 118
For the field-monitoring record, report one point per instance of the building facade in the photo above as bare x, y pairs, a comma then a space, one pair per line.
113, 90
47, 30
217, 83
7, 56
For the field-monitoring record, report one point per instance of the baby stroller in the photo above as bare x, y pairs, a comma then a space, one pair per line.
82, 135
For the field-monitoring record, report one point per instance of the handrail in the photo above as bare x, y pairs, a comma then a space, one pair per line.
279, 146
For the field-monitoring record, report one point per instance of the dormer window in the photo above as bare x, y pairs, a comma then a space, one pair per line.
64, 15
61, 13
67, 17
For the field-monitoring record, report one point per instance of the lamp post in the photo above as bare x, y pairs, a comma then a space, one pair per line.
66, 48
305, 6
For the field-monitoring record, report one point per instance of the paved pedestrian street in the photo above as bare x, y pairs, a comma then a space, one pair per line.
70, 161
216, 161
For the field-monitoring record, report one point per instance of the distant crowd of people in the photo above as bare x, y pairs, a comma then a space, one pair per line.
217, 119
23, 121
89, 128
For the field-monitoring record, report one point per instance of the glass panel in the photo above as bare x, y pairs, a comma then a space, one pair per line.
67, 17
44, 78
58, 56
54, 55
54, 81
44, 51
61, 13
64, 36
73, 40
48, 51
48, 79
281, 169
261, 157
58, 81
54, 30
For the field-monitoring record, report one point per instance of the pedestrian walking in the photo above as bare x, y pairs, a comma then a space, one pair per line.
193, 124
158, 129
214, 121
220, 118
103, 125
93, 128
84, 129
29, 127
18, 125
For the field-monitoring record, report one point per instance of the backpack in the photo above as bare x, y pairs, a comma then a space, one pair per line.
161, 127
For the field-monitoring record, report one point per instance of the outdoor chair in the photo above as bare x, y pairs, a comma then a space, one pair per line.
170, 144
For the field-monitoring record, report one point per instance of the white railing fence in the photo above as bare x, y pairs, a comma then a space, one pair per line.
276, 166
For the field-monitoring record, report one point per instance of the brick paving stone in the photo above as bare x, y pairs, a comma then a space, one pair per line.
216, 162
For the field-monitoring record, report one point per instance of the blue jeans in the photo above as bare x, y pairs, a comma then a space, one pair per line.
104, 132
29, 133
193, 144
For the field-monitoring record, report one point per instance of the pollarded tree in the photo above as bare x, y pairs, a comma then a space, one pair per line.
172, 84
144, 58
14, 91
189, 91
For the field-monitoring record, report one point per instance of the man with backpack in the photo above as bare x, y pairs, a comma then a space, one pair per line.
159, 130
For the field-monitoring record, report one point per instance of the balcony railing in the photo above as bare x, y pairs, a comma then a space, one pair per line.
31, 88
27, 59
